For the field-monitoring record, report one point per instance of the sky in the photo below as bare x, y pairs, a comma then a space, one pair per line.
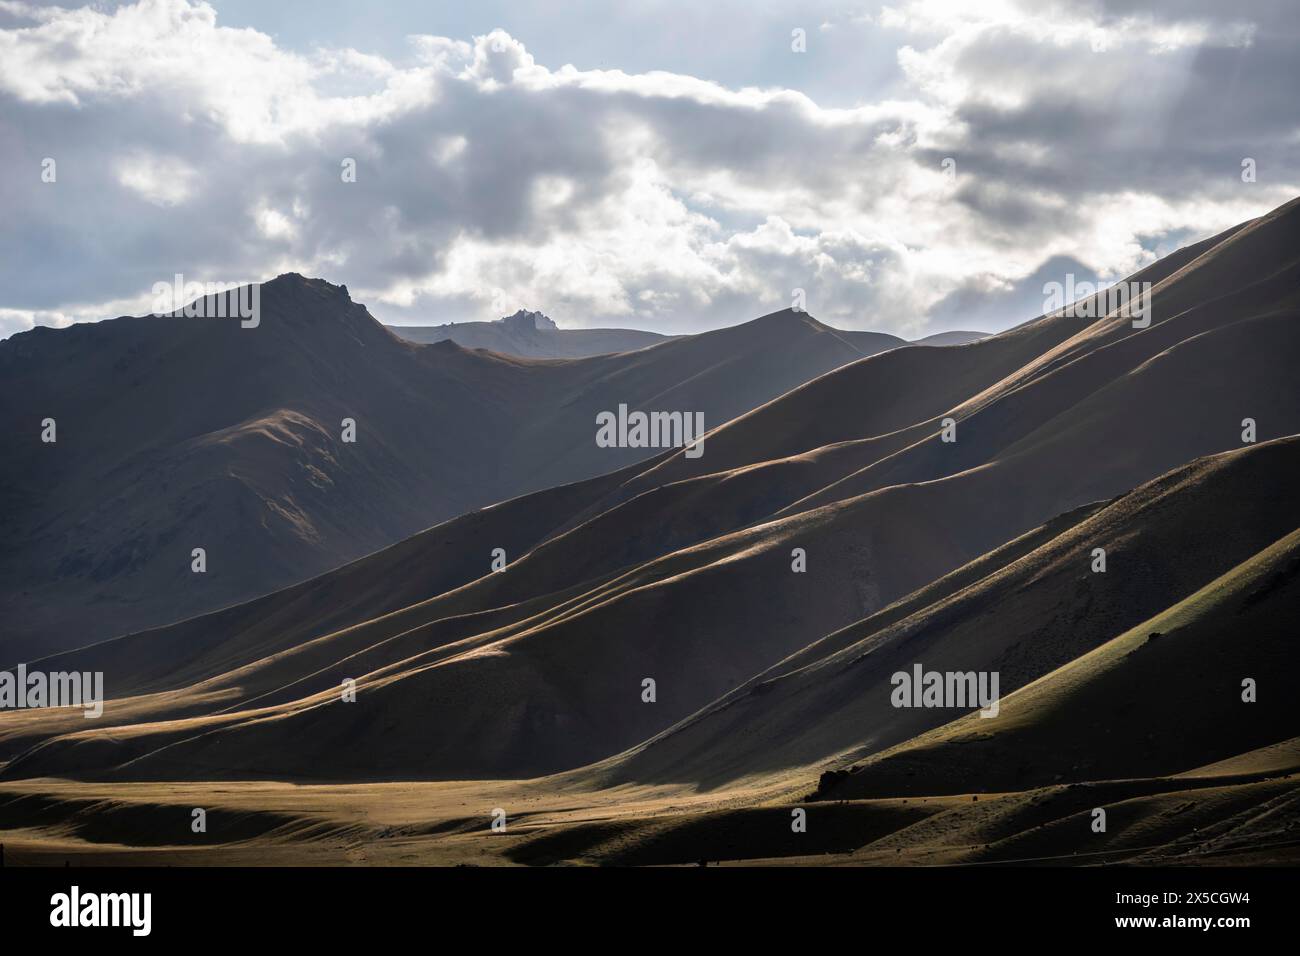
911, 167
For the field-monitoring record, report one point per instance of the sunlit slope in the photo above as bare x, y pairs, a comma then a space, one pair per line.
1023, 611
703, 582
520, 693
1208, 679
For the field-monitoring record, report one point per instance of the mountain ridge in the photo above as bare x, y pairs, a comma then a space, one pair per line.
920, 506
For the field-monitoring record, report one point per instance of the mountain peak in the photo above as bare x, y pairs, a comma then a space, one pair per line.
785, 319
296, 281
523, 319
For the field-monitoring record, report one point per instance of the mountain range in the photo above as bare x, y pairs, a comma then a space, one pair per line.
535, 335
177, 433
530, 335
679, 652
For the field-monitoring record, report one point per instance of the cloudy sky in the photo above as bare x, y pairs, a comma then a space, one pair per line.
914, 166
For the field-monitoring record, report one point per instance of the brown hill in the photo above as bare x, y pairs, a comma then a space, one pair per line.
178, 433
1023, 611
1161, 698
1120, 689
539, 669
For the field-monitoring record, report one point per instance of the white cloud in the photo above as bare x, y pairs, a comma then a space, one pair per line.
274, 224
161, 180
486, 178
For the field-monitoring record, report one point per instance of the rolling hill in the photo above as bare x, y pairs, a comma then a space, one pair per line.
178, 433
918, 506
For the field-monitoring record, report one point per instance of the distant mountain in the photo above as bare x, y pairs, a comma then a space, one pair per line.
534, 335
951, 338
530, 335
179, 433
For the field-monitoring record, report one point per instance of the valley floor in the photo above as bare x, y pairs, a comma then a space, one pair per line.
1250, 816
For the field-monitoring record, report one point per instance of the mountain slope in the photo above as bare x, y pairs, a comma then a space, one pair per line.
683, 572
176, 433
1021, 612
1161, 698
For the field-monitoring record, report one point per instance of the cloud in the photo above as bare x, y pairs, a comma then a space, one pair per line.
161, 180
487, 181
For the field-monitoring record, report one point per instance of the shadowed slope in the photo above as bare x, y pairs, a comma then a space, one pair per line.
540, 668
466, 688
176, 433
1021, 613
